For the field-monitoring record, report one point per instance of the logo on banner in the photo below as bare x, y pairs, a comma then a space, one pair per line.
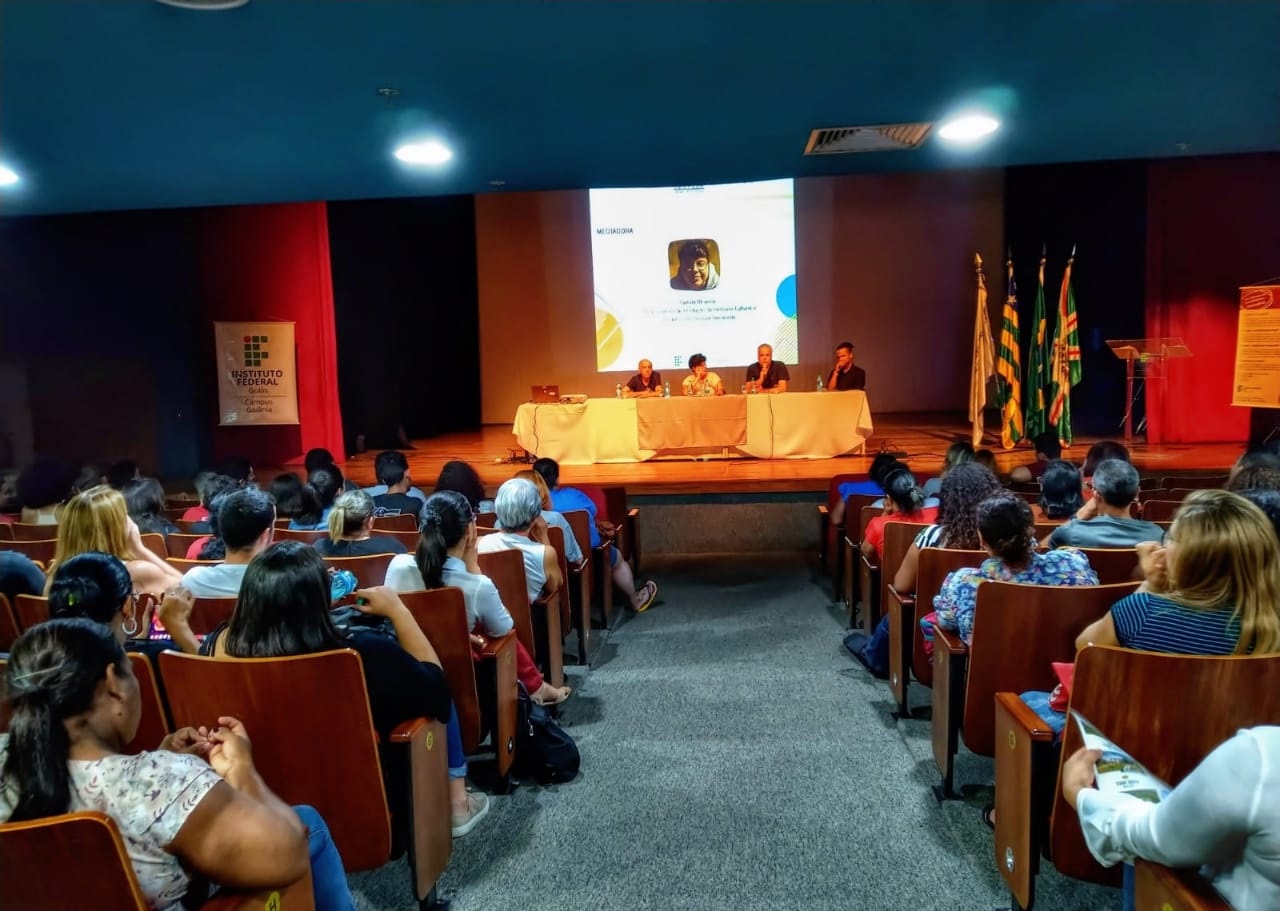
255, 350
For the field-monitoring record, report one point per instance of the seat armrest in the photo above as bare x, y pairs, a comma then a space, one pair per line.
496, 645
1158, 886
297, 896
906, 600
950, 640
431, 835
405, 731
633, 512
868, 563
1025, 718
822, 510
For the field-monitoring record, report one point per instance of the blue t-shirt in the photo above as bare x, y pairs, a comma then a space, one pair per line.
1153, 623
322, 525
866, 488
567, 499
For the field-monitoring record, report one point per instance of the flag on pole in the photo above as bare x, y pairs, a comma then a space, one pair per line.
1067, 369
1009, 368
983, 356
1038, 365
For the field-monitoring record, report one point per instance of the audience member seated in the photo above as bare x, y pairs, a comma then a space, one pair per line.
97, 586
1006, 531
284, 609
286, 491
573, 551
43, 486
1061, 493
379, 489
199, 512
1256, 457
246, 527
448, 556
318, 458
987, 459
1269, 502
460, 476
144, 500
1105, 521
351, 529
958, 453
964, 487
881, 466
564, 499
1048, 448
194, 809
97, 520
519, 512
10, 508
121, 473
1223, 817
392, 469
1098, 453
19, 575
212, 547
238, 469
1213, 588
903, 502
1254, 477
318, 494
212, 486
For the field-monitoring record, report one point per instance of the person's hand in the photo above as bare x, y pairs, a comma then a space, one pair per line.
193, 741
229, 747
1078, 773
380, 601
606, 528
478, 641
538, 531
1153, 560
175, 608
1089, 510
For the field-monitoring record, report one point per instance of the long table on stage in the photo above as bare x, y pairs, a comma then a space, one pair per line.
794, 425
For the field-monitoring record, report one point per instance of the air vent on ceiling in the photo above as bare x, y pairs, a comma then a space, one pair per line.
888, 137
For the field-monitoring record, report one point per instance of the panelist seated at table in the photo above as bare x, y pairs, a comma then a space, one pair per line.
644, 385
846, 375
766, 374
701, 381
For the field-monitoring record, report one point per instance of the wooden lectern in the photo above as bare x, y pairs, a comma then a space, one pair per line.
1150, 354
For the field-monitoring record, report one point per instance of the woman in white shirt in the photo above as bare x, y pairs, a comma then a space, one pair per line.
196, 805
448, 556
1223, 817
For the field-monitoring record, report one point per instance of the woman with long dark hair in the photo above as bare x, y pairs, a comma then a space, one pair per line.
195, 806
903, 502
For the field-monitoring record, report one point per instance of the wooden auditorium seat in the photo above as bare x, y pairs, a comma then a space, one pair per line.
369, 571
541, 634
906, 638
1207, 482
1168, 711
153, 725
1113, 564
154, 542
592, 580
627, 519
1153, 493
1160, 510
484, 691
851, 562
30, 610
40, 551
402, 522
1157, 886
829, 533
89, 843
876, 578
181, 564
207, 614
487, 519
1018, 632
306, 537
177, 545
855, 506
302, 707
23, 531
560, 602
9, 628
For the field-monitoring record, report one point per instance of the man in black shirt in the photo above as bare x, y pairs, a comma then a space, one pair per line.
392, 469
645, 384
766, 374
846, 375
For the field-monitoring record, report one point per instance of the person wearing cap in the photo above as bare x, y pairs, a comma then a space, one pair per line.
846, 375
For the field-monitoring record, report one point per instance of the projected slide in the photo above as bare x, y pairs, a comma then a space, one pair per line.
680, 270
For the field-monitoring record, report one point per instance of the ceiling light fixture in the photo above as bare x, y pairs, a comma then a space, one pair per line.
429, 152
8, 176
968, 128
206, 6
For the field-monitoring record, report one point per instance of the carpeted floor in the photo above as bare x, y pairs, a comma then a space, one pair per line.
734, 756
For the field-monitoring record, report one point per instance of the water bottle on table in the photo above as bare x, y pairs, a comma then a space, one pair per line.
618, 391
821, 385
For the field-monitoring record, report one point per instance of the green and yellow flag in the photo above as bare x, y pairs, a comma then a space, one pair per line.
1067, 369
983, 357
1038, 365
1009, 368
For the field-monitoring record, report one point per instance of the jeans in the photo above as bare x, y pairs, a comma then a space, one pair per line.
453, 741
328, 879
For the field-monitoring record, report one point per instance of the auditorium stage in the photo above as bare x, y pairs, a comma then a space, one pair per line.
923, 437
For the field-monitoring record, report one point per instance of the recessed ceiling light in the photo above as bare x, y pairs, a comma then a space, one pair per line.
427, 152
209, 6
8, 176
968, 128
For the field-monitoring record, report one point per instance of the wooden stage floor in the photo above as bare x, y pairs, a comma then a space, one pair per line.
924, 438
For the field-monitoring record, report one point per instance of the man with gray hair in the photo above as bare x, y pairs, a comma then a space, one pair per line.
518, 507
1104, 520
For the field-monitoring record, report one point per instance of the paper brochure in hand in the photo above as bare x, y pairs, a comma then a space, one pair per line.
1117, 772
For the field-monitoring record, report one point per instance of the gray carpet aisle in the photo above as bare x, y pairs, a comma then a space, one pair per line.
734, 756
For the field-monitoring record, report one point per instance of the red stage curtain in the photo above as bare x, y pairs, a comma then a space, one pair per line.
1212, 225
272, 263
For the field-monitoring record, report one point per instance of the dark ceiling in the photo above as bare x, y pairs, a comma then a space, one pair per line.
110, 104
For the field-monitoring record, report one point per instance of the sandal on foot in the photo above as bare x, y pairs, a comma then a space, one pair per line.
652, 588
988, 814
567, 692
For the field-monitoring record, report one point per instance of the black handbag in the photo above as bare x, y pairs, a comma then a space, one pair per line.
544, 751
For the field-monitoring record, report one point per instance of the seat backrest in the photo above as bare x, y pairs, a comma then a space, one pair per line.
1201, 483
30, 610
441, 614
935, 564
46, 850
6, 531
1018, 632
487, 519
833, 485
313, 736
154, 725
580, 524
1160, 510
41, 551
182, 565
23, 531
402, 522
369, 571
865, 515
1153, 493
154, 542
177, 545
306, 537
505, 568
208, 613
4, 702
1113, 565
1168, 711
555, 534
1044, 529
897, 541
9, 628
